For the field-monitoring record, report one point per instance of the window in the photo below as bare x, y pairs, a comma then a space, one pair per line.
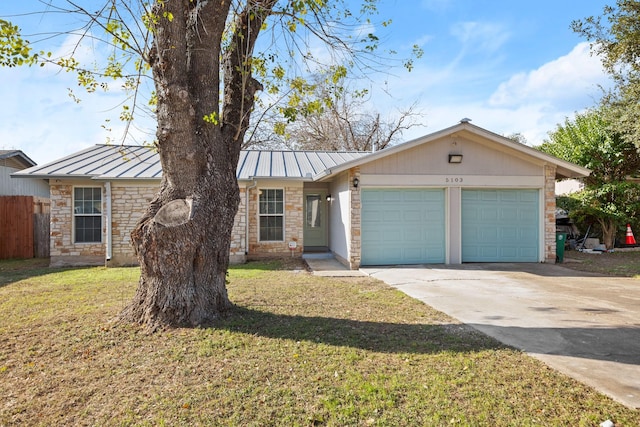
87, 214
271, 212
314, 219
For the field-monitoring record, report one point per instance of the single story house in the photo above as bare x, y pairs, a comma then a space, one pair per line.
12, 161
462, 194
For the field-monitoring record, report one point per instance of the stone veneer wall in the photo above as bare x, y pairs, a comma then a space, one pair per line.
355, 249
237, 249
293, 227
550, 213
62, 248
128, 203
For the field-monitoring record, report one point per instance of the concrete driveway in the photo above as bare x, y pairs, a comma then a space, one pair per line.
583, 325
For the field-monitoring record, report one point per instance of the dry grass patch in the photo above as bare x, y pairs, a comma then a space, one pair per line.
298, 350
618, 263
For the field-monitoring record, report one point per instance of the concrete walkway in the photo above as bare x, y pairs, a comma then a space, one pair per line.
324, 264
585, 326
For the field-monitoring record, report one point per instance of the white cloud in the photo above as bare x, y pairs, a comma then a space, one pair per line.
531, 103
423, 40
561, 81
481, 36
46, 123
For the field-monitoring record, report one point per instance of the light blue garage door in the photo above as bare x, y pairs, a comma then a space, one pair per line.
500, 226
403, 226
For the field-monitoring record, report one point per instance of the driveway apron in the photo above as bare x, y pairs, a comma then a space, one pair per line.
583, 325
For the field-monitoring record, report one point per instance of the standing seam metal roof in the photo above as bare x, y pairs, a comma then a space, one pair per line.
107, 162
18, 156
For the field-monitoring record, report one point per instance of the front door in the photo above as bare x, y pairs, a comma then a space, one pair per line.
315, 220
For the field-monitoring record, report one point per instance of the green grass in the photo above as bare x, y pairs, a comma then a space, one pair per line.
298, 350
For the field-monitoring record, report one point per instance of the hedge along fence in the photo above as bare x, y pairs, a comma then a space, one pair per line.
24, 227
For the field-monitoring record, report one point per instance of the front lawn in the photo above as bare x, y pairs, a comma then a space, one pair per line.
298, 350
619, 263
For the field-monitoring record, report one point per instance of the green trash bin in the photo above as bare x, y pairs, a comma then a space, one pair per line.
561, 239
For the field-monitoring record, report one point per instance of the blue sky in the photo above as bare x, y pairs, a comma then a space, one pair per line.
510, 66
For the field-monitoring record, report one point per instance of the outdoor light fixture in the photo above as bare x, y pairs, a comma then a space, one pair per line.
328, 197
356, 181
455, 158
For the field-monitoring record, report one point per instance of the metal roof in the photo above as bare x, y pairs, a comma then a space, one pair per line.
18, 156
111, 162
564, 169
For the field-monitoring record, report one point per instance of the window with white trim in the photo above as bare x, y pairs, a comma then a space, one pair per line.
271, 213
87, 214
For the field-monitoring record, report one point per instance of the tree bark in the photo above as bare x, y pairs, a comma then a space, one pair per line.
182, 241
608, 232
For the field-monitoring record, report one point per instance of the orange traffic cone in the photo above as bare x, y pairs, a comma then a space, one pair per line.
630, 240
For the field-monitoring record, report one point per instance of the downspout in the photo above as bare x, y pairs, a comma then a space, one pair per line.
246, 214
107, 191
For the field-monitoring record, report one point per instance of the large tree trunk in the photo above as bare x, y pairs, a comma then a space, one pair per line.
182, 242
183, 249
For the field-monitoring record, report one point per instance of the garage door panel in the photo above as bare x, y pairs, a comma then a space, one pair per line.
509, 213
508, 252
489, 214
510, 234
529, 197
488, 252
487, 234
500, 225
392, 235
370, 197
508, 196
528, 235
389, 197
413, 238
528, 216
392, 216
413, 216
487, 196
412, 196
376, 217
412, 230
414, 254
528, 252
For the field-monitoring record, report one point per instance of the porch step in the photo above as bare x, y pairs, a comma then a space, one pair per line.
317, 255
324, 264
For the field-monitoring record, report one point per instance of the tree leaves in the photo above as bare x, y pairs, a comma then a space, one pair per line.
14, 50
590, 140
608, 199
285, 64
615, 38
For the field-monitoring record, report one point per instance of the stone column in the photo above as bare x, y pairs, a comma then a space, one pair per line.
550, 213
356, 204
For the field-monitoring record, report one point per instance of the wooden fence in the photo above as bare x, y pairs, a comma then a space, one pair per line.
24, 227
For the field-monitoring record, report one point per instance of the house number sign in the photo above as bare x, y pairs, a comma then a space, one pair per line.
454, 180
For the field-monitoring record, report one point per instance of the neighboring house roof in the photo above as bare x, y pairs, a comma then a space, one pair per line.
464, 128
16, 159
110, 162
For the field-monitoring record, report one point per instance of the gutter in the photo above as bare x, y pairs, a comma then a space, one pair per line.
109, 231
320, 175
246, 214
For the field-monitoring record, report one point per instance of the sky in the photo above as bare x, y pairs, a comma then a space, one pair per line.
509, 66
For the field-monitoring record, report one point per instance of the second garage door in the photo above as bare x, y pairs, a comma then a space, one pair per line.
403, 226
500, 226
